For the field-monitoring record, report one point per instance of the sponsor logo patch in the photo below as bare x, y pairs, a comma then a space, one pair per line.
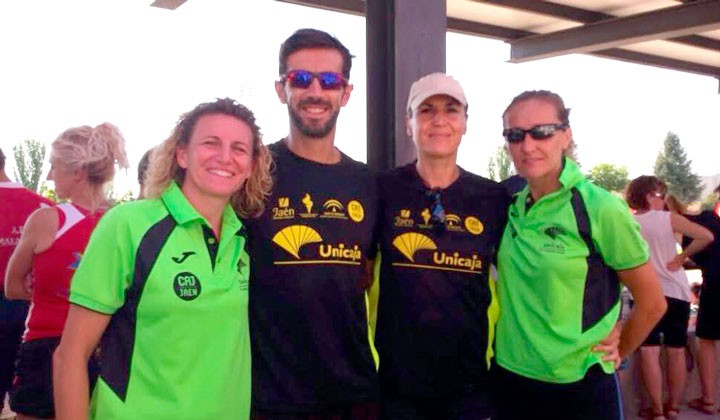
293, 238
409, 244
183, 257
187, 286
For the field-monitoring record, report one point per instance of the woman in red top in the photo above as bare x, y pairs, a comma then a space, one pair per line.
82, 160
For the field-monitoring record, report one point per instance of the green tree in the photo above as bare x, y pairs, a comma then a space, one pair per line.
709, 202
609, 176
492, 169
29, 158
499, 166
115, 198
47, 192
673, 166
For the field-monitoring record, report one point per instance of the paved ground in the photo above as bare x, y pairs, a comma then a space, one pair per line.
631, 400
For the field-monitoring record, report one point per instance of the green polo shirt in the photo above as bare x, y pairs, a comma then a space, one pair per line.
544, 286
177, 345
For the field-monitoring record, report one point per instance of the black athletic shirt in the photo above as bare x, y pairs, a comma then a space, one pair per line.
435, 321
308, 319
707, 259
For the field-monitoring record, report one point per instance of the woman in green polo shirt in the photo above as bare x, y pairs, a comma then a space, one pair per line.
566, 245
163, 285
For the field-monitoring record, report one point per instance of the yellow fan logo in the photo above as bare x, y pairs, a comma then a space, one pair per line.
405, 213
292, 238
283, 202
409, 243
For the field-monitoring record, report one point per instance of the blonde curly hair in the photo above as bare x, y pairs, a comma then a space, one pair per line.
249, 200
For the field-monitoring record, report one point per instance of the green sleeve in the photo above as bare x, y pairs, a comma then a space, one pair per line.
105, 271
617, 235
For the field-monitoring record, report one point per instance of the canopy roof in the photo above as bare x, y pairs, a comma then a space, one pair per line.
677, 35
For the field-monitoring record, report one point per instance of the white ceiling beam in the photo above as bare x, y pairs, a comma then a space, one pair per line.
690, 18
168, 4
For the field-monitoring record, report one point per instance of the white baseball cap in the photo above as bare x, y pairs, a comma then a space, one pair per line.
434, 84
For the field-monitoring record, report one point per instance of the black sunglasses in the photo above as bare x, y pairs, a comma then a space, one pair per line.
539, 132
437, 210
302, 79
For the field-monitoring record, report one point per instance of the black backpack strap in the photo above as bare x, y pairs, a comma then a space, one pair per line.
602, 286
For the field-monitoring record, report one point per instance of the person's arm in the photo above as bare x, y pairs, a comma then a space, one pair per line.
701, 238
38, 234
650, 305
80, 337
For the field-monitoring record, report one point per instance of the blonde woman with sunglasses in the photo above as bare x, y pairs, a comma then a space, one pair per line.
566, 249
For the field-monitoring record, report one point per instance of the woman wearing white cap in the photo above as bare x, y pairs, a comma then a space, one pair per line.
440, 229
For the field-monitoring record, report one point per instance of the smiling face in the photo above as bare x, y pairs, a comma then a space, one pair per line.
217, 159
314, 111
437, 126
538, 161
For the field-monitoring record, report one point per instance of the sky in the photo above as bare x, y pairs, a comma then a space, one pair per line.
82, 62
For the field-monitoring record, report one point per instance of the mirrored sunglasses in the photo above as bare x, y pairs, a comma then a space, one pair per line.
538, 132
302, 79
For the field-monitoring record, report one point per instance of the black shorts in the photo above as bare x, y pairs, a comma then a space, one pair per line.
32, 391
595, 397
10, 338
471, 405
671, 331
350, 411
708, 320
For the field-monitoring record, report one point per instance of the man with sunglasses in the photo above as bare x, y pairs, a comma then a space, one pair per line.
312, 354
440, 227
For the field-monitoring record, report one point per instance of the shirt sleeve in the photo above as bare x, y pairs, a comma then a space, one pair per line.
105, 271
617, 235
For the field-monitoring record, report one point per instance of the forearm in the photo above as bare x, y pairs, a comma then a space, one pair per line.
15, 287
637, 327
695, 246
70, 386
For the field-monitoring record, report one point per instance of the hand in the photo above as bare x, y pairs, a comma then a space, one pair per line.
676, 263
610, 345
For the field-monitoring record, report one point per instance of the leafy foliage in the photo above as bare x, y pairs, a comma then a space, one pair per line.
29, 158
673, 166
500, 166
609, 176
709, 202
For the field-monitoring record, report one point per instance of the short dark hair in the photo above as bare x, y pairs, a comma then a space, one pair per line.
2, 160
553, 98
308, 38
640, 187
143, 166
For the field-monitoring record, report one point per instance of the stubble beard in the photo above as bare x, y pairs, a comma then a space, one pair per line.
313, 131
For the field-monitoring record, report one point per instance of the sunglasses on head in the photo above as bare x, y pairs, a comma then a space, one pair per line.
302, 79
437, 210
539, 132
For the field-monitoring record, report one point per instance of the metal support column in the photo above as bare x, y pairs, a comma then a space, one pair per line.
405, 40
